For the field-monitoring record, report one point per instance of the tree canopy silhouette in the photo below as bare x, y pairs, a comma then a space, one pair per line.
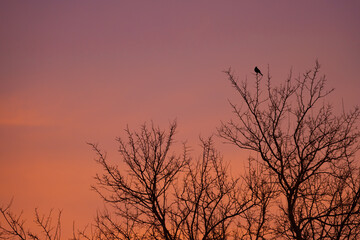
306, 152
303, 183
168, 196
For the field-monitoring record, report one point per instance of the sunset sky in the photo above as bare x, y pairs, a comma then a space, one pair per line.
73, 72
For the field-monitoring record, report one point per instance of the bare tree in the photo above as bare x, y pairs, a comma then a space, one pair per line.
168, 196
303, 183
12, 226
306, 150
155, 194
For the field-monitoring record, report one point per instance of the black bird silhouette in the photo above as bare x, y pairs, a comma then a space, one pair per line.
257, 71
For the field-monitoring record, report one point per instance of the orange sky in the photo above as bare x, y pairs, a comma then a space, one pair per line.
73, 72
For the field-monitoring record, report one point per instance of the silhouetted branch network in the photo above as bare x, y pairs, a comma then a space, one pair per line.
168, 196
306, 150
303, 182
12, 226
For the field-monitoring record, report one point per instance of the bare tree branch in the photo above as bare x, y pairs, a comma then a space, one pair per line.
307, 147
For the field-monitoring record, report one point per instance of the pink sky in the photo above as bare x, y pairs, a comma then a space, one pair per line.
73, 72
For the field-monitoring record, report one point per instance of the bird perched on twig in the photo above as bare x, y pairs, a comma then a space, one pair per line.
257, 71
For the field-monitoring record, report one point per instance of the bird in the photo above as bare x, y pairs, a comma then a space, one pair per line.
257, 71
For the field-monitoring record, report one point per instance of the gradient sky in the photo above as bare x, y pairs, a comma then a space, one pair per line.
73, 72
